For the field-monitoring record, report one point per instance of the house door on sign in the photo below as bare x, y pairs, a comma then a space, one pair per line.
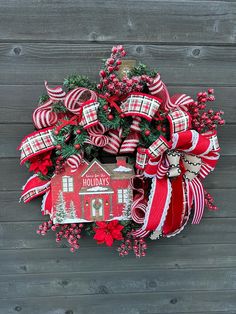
97, 209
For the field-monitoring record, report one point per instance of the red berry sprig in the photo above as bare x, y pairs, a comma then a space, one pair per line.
205, 120
70, 232
110, 84
209, 201
138, 246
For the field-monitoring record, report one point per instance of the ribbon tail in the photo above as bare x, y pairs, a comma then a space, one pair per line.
198, 197
33, 188
158, 204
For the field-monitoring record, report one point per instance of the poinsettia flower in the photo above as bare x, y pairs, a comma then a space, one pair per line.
41, 163
107, 232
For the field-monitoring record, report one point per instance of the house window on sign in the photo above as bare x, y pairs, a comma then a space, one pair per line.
122, 195
67, 184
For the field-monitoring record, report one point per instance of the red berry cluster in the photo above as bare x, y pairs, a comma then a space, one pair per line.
110, 83
205, 120
60, 164
70, 232
44, 227
138, 246
209, 201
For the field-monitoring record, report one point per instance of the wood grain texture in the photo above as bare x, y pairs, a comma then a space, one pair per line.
175, 302
123, 21
22, 235
98, 282
192, 44
57, 260
185, 64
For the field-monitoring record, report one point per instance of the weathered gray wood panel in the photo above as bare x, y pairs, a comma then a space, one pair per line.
52, 260
98, 282
119, 21
182, 64
192, 43
141, 303
22, 235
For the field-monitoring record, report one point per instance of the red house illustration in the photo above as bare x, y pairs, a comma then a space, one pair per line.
93, 192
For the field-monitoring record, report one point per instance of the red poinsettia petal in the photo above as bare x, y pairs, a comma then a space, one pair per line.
44, 170
112, 224
119, 227
101, 224
99, 235
109, 239
33, 167
117, 235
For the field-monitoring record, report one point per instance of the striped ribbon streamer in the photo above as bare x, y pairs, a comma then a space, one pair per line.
159, 89
130, 143
55, 94
96, 135
198, 197
44, 117
76, 97
74, 161
114, 143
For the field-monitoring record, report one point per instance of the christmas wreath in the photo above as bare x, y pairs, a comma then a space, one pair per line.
168, 143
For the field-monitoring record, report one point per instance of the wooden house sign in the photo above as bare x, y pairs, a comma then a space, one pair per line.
93, 192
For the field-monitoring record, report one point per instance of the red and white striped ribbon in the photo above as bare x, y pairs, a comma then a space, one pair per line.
115, 140
135, 126
162, 168
96, 135
139, 205
56, 93
130, 143
44, 117
182, 101
74, 161
159, 89
157, 167
199, 199
76, 97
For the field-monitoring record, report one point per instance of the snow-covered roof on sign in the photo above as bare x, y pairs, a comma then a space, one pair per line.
113, 170
95, 162
122, 169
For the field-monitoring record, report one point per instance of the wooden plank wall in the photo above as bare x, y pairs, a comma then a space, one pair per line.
192, 43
